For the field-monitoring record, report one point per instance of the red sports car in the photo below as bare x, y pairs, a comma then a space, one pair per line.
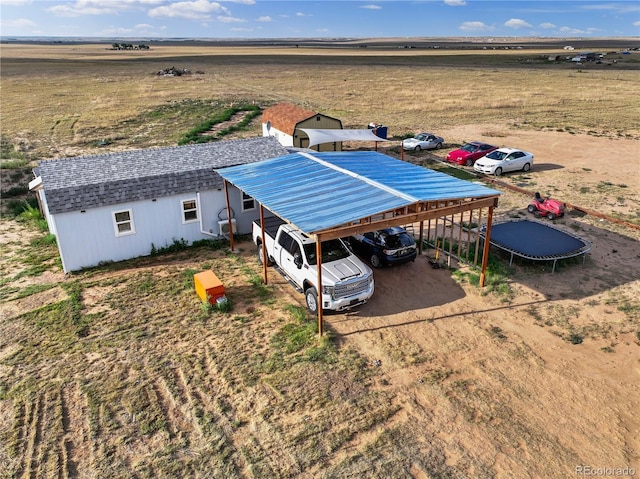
469, 153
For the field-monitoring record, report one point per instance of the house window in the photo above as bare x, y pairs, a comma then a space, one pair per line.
189, 211
123, 223
248, 203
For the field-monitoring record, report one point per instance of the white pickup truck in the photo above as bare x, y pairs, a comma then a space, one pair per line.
346, 280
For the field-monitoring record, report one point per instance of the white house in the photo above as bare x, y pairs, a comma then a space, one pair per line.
115, 206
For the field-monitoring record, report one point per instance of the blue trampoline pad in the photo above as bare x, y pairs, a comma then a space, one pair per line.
531, 239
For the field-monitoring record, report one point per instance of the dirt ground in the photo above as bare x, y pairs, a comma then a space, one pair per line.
494, 380
586, 394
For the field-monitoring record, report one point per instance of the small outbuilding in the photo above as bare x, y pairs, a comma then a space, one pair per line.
286, 122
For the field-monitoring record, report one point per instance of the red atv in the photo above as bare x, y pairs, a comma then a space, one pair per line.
546, 207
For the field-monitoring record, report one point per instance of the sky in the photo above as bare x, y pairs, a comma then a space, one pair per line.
318, 19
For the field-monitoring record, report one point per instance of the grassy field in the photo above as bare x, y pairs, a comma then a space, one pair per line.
120, 371
62, 100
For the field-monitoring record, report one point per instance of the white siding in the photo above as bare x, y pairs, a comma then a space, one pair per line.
282, 137
87, 239
45, 212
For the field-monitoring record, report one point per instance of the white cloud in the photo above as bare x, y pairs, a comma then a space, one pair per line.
79, 9
19, 23
15, 2
96, 7
547, 25
264, 19
475, 27
143, 26
636, 24
196, 10
371, 7
571, 31
455, 3
517, 23
300, 14
577, 31
620, 7
116, 32
222, 19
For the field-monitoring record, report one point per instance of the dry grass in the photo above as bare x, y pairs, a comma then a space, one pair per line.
150, 383
121, 372
87, 93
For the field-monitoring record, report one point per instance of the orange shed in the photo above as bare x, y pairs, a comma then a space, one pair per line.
208, 286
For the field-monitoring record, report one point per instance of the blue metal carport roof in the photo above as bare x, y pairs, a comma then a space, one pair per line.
316, 191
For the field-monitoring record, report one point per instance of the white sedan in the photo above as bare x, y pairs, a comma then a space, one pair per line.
423, 141
504, 159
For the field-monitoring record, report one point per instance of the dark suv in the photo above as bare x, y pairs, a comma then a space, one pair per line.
385, 247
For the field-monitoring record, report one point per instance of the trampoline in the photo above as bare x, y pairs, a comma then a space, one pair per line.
536, 241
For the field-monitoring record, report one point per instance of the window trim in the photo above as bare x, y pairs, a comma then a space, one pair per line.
184, 212
245, 198
117, 231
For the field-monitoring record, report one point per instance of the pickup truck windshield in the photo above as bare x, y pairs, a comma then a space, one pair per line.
332, 250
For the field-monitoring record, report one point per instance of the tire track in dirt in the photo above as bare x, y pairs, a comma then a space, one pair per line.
268, 450
30, 437
75, 432
17, 434
178, 425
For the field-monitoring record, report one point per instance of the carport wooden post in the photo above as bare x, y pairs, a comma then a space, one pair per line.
226, 195
460, 235
469, 226
263, 245
319, 266
485, 251
421, 237
475, 254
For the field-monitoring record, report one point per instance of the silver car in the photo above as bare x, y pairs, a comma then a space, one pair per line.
423, 141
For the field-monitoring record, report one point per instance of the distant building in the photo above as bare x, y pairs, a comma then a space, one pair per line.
285, 120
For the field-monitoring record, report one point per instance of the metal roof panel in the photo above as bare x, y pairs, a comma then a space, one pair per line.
317, 191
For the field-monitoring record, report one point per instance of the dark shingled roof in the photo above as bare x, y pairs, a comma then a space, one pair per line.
84, 182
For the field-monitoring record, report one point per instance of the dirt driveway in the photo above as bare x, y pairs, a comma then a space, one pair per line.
512, 366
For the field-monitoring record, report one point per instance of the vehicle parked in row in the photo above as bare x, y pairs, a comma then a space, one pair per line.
386, 247
545, 206
468, 153
346, 281
504, 159
423, 141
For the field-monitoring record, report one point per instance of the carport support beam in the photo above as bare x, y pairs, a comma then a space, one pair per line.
226, 195
485, 250
263, 246
319, 266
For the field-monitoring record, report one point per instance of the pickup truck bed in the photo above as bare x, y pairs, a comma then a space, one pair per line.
271, 225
